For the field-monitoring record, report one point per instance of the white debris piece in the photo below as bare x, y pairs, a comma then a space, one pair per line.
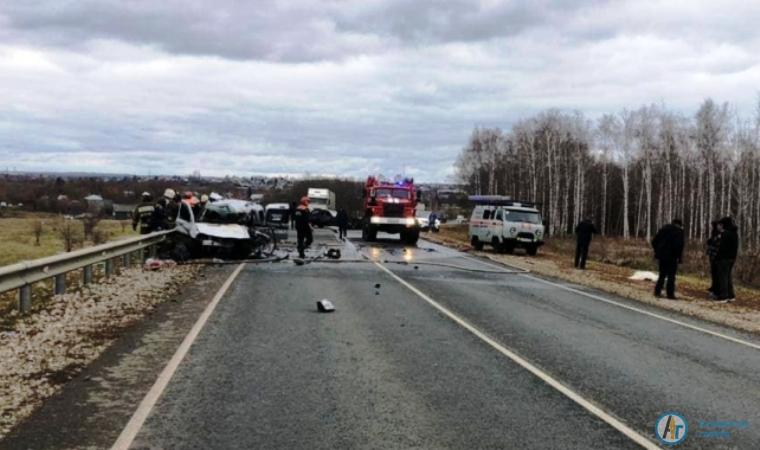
325, 305
643, 275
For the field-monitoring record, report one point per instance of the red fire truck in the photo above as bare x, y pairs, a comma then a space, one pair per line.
390, 207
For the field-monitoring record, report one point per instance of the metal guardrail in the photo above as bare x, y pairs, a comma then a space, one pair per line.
22, 275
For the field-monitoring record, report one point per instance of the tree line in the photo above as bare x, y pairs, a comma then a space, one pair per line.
630, 172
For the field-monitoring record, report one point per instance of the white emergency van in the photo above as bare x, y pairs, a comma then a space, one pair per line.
505, 224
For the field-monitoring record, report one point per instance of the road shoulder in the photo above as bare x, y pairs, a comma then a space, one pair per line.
734, 316
91, 409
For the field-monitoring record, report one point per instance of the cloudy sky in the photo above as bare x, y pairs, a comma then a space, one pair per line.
341, 87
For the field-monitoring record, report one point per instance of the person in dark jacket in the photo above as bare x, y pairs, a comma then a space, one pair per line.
584, 232
668, 246
301, 218
711, 249
728, 249
161, 212
342, 220
432, 219
143, 214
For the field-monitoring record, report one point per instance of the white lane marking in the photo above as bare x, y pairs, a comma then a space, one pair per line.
135, 423
545, 377
630, 308
648, 313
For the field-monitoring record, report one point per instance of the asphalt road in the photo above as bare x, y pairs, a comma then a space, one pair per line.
446, 353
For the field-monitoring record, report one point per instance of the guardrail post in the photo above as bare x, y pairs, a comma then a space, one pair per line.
141, 256
25, 298
153, 251
87, 278
109, 268
125, 260
59, 287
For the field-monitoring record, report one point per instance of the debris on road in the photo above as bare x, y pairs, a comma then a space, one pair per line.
325, 305
158, 264
333, 253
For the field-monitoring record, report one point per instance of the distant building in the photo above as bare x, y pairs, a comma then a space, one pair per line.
122, 212
94, 203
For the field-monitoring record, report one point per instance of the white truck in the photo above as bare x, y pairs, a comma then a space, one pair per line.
505, 224
322, 206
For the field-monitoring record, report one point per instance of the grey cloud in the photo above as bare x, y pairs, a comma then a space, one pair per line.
339, 87
278, 31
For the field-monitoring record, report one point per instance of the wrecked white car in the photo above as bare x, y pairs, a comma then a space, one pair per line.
224, 229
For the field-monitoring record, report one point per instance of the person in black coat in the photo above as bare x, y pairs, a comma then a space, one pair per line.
668, 246
728, 249
583, 232
301, 217
711, 249
342, 220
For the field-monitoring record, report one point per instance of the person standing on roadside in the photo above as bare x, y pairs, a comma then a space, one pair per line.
584, 232
668, 246
162, 214
143, 214
711, 249
342, 220
303, 227
728, 249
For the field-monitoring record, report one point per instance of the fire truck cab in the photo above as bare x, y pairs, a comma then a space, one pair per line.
390, 207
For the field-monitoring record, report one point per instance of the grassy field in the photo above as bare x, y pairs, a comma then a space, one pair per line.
17, 235
19, 243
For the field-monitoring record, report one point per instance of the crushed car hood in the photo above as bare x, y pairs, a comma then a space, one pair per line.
225, 231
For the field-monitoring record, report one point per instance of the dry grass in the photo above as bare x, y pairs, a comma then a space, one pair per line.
17, 236
18, 240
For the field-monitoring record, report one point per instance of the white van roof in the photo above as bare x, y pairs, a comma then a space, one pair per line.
516, 207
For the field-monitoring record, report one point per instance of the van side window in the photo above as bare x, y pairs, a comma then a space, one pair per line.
184, 212
486, 214
498, 215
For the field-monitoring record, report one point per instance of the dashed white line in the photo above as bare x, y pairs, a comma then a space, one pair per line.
135, 423
548, 379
